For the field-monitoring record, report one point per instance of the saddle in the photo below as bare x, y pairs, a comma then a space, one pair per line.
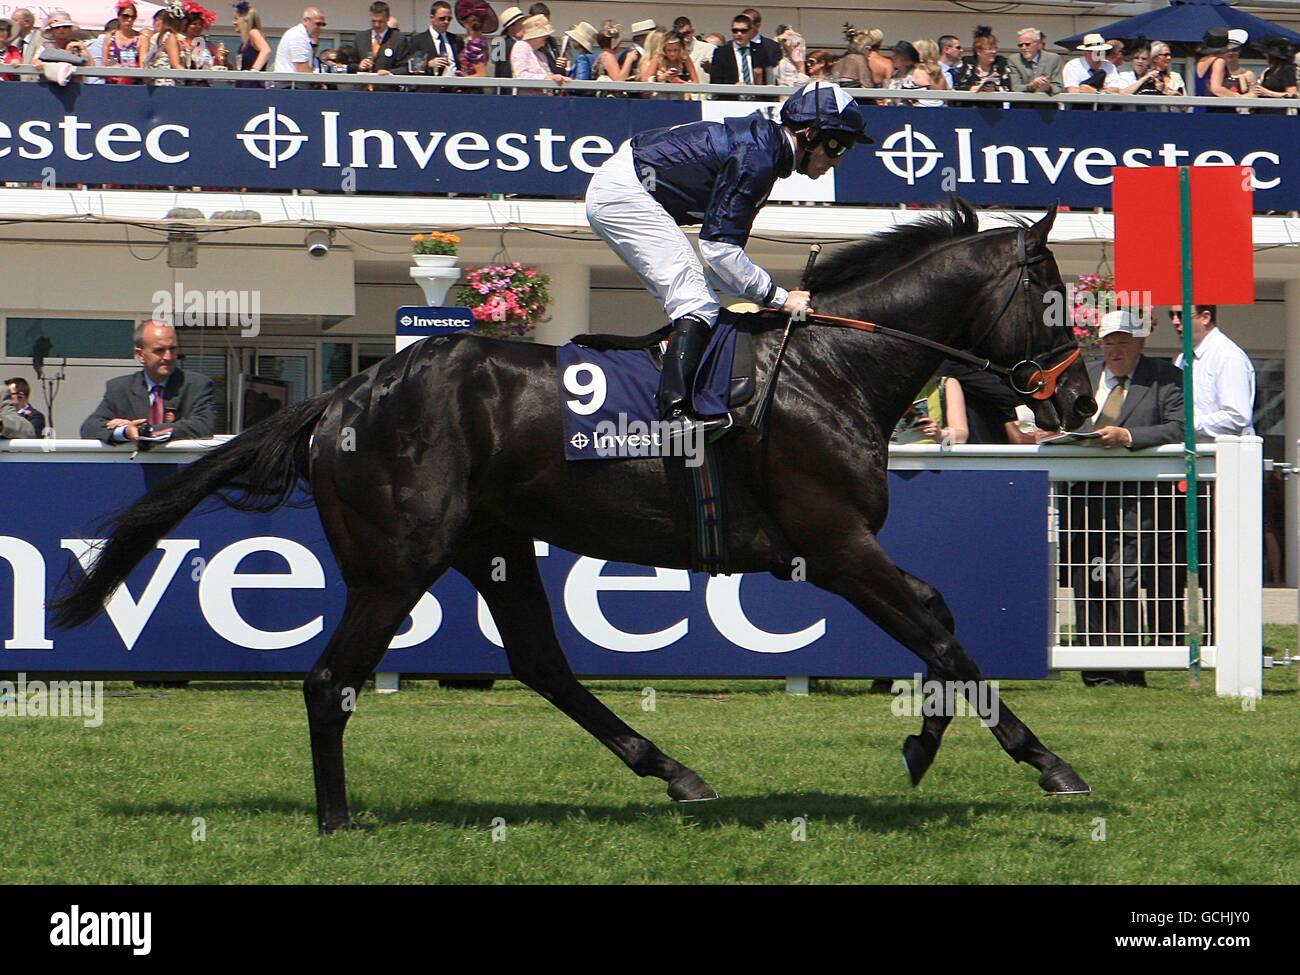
703, 482
743, 384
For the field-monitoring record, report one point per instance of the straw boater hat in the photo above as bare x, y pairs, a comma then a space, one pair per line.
641, 27
1237, 38
535, 27
583, 34
471, 8
1094, 42
510, 16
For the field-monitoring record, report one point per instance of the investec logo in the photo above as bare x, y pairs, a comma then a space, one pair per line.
912, 155
275, 138
428, 321
220, 581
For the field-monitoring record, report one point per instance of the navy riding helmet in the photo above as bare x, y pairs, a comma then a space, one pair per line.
822, 112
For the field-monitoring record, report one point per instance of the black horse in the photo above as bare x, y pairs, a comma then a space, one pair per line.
449, 455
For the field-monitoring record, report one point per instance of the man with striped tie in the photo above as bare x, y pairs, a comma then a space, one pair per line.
161, 395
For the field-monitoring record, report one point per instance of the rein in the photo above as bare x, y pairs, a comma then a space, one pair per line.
1038, 381
1028, 377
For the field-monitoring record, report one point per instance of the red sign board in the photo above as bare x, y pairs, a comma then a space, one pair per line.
1148, 243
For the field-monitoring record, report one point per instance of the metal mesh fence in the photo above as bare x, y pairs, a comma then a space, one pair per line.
1121, 563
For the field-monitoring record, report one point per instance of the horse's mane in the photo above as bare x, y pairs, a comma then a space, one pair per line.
873, 258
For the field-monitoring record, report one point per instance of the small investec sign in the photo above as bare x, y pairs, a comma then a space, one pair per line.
417, 321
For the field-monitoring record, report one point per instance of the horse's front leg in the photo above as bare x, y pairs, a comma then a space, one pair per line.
859, 570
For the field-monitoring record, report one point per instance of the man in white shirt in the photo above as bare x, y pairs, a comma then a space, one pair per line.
297, 48
1223, 379
698, 50
95, 51
1078, 72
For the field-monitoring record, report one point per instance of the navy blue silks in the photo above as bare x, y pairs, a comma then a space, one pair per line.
717, 174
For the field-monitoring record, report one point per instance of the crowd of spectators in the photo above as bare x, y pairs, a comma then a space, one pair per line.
471, 40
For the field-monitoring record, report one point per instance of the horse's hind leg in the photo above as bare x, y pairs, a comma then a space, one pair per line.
370, 619
513, 591
859, 570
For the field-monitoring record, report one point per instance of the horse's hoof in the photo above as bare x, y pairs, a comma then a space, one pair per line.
917, 758
341, 826
1062, 780
689, 787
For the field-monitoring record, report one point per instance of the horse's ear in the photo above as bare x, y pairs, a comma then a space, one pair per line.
963, 214
1040, 231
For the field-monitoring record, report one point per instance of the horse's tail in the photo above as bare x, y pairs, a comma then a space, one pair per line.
256, 471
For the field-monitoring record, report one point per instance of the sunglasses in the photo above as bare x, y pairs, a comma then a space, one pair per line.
741, 30
836, 147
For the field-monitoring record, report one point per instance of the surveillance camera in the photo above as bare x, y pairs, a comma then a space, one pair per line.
318, 243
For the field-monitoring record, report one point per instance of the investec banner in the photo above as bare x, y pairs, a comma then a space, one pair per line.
411, 142
231, 593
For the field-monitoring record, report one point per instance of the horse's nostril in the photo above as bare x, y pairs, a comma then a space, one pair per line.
1085, 406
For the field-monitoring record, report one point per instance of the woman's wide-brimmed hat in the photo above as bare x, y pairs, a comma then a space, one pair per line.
477, 8
584, 35
535, 27
1215, 41
1276, 47
61, 18
905, 48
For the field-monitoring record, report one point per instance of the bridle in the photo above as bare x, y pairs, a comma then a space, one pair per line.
1031, 376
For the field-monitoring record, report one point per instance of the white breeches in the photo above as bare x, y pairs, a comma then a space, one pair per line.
626, 217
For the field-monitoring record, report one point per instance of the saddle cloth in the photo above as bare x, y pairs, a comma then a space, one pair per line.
607, 387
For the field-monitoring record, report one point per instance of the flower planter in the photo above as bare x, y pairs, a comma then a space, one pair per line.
435, 281
435, 260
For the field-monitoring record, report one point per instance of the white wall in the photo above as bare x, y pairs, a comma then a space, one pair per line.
103, 278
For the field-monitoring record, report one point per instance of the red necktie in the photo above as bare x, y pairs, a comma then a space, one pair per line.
156, 406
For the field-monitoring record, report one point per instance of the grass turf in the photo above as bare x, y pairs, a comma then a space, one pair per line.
1187, 788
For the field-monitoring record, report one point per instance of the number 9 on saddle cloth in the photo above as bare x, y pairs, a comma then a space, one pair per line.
607, 387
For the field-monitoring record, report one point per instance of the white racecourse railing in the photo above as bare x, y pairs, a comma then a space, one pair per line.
307, 80
1230, 471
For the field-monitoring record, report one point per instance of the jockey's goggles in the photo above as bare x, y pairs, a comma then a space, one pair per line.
836, 145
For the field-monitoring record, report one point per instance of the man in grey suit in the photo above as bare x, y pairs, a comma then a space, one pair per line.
1034, 69
161, 395
1113, 523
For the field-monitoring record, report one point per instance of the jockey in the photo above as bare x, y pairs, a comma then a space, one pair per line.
719, 175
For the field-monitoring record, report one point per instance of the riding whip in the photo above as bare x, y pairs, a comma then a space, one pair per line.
759, 421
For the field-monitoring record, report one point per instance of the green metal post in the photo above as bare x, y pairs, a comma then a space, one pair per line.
1193, 612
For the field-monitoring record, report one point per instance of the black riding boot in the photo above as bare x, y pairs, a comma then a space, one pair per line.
685, 347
